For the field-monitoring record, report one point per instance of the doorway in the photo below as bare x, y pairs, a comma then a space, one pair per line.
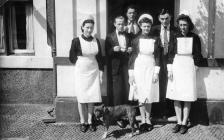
153, 7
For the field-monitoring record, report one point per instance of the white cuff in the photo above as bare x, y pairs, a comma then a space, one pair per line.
130, 72
156, 70
169, 67
196, 67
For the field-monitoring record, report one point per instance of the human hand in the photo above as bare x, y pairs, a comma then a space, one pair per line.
101, 77
129, 50
131, 80
170, 75
123, 49
117, 48
155, 77
196, 68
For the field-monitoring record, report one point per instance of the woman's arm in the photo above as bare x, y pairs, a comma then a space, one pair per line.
99, 57
75, 50
134, 53
197, 50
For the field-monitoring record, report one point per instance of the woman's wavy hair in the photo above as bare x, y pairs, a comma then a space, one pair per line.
187, 19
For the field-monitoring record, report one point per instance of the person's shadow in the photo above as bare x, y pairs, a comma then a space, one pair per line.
199, 109
119, 133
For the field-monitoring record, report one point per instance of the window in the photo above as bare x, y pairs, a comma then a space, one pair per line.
16, 28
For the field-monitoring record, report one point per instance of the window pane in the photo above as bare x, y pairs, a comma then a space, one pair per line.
21, 26
219, 30
2, 31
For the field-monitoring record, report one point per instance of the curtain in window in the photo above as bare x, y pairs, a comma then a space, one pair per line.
29, 27
12, 29
2, 32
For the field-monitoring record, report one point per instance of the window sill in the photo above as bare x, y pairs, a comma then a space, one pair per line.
28, 62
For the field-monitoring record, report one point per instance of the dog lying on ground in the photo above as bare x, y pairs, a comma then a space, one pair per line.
110, 115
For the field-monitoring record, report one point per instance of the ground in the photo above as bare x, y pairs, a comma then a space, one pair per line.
24, 122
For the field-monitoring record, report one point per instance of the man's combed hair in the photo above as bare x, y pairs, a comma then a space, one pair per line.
164, 11
118, 17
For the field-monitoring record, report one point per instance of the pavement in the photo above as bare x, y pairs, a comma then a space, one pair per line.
25, 122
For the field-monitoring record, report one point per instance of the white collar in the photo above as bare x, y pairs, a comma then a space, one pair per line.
134, 22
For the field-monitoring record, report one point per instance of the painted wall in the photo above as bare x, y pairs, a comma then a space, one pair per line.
210, 83
219, 30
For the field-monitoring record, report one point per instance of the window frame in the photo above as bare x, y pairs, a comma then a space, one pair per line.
9, 48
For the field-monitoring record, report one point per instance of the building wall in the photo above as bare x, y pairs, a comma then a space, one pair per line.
30, 79
42, 58
69, 26
26, 86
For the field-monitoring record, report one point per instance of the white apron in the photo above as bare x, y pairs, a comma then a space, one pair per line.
87, 83
147, 91
183, 86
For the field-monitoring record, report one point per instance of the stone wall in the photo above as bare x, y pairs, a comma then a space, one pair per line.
26, 86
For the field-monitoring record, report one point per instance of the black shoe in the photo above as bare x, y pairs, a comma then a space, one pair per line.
92, 127
176, 128
83, 127
149, 127
121, 124
183, 129
143, 127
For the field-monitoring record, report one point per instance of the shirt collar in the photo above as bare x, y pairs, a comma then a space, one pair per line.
87, 38
168, 27
117, 32
129, 22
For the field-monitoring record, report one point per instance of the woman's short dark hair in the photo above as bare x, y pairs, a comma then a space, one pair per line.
187, 19
87, 21
145, 20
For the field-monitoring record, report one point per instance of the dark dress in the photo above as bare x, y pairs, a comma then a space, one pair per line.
117, 71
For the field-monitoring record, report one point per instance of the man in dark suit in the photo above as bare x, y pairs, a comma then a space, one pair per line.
166, 33
117, 52
131, 25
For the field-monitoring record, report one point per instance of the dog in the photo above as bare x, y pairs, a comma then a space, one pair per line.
109, 115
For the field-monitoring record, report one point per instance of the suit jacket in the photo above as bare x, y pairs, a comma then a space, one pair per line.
155, 31
117, 71
115, 60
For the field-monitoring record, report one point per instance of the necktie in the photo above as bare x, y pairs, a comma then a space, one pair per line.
131, 28
165, 39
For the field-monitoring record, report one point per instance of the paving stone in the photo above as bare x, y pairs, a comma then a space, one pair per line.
25, 121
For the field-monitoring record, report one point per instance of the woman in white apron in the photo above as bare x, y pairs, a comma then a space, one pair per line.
144, 69
85, 53
183, 58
